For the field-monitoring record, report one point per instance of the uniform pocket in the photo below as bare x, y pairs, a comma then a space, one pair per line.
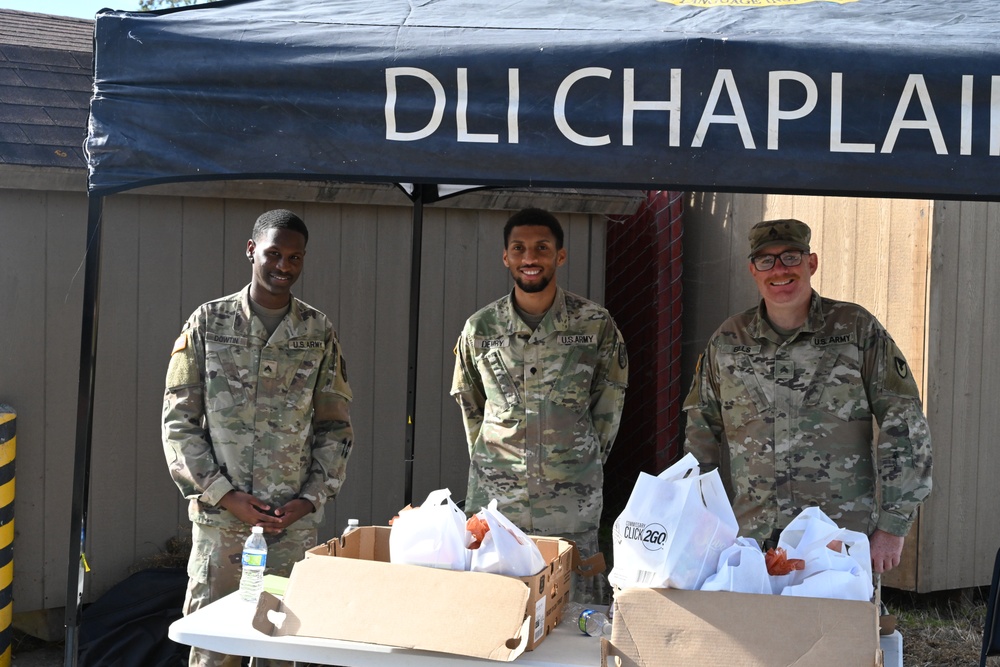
302, 379
224, 386
744, 399
837, 387
501, 390
199, 564
574, 378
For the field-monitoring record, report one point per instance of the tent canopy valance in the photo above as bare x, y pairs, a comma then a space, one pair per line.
871, 97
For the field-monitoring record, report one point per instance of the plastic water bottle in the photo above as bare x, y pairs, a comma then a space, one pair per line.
588, 621
352, 525
254, 562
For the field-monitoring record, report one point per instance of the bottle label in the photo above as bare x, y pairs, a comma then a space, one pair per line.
582, 620
254, 560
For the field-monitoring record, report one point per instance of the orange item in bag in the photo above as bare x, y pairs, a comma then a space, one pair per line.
405, 509
778, 562
478, 527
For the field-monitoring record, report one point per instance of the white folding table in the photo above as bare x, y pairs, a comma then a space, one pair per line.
225, 626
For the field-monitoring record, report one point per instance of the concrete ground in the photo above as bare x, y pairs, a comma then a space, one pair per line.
37, 639
37, 654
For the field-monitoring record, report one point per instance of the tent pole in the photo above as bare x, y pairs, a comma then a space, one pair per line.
84, 429
419, 192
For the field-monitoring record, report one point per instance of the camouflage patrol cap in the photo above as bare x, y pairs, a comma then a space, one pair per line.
794, 233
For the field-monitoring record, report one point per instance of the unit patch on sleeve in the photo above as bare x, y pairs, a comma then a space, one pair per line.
180, 344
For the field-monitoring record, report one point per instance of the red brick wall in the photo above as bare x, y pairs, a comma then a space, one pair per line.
643, 294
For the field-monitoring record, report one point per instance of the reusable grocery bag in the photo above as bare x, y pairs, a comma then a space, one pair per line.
741, 569
432, 534
505, 549
843, 572
673, 529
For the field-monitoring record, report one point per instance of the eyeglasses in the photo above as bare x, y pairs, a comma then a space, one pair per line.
788, 258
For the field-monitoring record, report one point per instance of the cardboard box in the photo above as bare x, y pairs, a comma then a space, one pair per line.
350, 591
654, 627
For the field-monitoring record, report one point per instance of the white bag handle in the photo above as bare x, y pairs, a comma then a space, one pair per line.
432, 534
438, 497
687, 466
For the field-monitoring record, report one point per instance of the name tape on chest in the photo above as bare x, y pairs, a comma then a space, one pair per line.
492, 343
305, 344
841, 339
575, 339
578, 339
739, 349
242, 340
225, 340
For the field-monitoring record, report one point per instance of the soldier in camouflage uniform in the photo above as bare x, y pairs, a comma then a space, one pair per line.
784, 398
540, 375
256, 421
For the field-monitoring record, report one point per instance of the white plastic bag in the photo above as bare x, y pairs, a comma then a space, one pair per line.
432, 535
673, 529
742, 569
505, 548
845, 574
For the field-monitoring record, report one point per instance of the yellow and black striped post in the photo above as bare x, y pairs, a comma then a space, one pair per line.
8, 447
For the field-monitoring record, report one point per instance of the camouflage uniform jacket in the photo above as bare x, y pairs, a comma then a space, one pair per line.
790, 423
269, 417
541, 411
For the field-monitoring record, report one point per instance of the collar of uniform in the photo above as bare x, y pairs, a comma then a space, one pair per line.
554, 320
512, 323
760, 328
245, 324
816, 320
242, 324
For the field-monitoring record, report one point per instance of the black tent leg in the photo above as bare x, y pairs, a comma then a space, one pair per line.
84, 429
419, 192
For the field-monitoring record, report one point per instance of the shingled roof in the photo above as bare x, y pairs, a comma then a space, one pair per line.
46, 79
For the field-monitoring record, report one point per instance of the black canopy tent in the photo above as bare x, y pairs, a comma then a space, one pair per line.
855, 97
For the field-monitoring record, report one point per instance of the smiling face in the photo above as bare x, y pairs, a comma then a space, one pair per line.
786, 289
532, 257
278, 256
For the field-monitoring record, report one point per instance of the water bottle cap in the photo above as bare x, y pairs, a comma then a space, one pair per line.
257, 529
352, 522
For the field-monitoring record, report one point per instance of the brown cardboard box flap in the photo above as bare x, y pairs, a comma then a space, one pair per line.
465, 613
590, 566
548, 589
655, 627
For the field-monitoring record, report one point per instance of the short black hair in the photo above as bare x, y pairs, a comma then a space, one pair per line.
534, 217
279, 218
